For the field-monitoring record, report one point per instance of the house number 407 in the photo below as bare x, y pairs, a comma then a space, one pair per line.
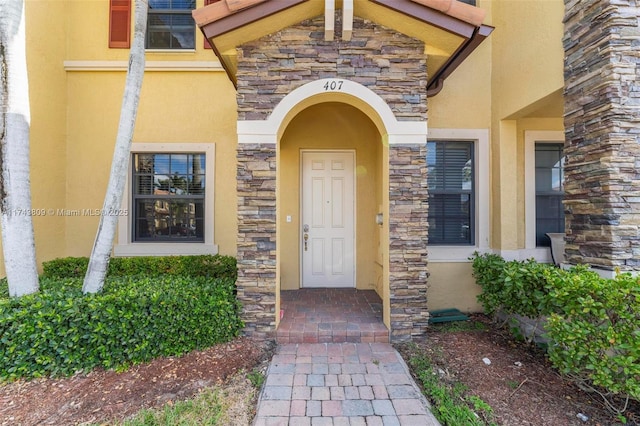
333, 85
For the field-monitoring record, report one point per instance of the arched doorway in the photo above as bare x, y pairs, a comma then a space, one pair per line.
392, 164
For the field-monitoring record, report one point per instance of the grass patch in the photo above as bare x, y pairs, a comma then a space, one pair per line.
256, 377
451, 403
208, 408
231, 403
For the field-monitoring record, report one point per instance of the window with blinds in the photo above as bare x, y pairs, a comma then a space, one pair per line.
450, 177
168, 197
170, 25
549, 191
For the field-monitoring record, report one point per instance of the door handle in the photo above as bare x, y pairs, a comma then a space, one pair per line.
305, 229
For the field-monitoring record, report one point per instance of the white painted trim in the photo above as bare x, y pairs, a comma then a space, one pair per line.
257, 131
149, 66
530, 139
329, 19
332, 89
126, 247
480, 137
347, 19
542, 254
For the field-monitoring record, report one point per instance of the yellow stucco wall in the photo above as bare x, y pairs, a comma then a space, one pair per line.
509, 85
94, 111
527, 53
87, 28
527, 68
331, 126
47, 97
452, 286
512, 83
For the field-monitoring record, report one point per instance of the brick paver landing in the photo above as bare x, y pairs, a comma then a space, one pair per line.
328, 315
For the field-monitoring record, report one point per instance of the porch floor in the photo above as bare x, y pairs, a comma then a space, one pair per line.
329, 315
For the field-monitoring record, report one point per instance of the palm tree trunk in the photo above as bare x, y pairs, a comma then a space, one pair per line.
101, 253
15, 188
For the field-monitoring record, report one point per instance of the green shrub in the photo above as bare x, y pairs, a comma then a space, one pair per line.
511, 287
214, 266
593, 323
595, 328
59, 331
487, 270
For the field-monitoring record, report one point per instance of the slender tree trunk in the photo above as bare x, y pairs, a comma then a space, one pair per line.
15, 188
101, 253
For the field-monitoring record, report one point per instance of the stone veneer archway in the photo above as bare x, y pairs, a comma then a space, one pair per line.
379, 71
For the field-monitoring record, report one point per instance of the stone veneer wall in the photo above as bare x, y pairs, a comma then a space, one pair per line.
257, 237
389, 63
408, 226
602, 122
394, 67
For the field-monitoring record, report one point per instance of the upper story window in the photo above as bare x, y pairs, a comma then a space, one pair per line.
450, 177
549, 191
168, 197
170, 25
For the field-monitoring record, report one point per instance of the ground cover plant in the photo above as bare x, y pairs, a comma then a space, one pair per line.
137, 317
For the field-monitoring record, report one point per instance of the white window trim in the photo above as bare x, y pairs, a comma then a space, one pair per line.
480, 139
126, 247
531, 137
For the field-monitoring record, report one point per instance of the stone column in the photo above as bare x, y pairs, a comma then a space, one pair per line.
408, 230
602, 122
257, 238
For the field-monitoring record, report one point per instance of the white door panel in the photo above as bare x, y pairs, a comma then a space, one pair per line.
328, 218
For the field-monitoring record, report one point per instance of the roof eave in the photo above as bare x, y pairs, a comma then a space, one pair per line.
436, 83
473, 35
211, 29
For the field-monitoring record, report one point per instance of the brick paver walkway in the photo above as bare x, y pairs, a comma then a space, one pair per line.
340, 384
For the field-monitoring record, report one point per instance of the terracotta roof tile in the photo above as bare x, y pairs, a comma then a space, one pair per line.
221, 9
457, 9
454, 8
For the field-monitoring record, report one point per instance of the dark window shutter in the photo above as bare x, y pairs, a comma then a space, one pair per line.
119, 23
206, 42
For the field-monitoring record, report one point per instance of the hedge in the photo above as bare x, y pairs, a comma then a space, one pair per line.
593, 324
166, 311
214, 266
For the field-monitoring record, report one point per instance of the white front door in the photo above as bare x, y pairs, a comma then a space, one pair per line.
328, 208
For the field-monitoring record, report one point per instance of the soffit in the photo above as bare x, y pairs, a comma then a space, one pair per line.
448, 40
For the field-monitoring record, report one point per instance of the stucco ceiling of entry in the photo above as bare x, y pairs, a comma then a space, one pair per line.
550, 106
441, 44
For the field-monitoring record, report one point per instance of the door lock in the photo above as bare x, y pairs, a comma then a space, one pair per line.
305, 229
